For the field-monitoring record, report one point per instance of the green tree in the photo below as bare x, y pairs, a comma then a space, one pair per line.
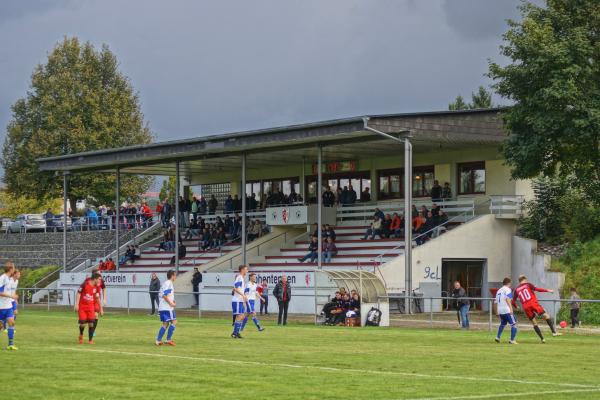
11, 206
167, 190
77, 101
481, 99
553, 78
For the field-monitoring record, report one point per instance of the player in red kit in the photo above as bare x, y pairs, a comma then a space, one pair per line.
526, 293
85, 305
101, 297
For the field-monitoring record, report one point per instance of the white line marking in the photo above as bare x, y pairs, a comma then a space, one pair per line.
500, 395
334, 369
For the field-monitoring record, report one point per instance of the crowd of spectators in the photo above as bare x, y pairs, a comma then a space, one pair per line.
426, 224
328, 248
342, 306
107, 265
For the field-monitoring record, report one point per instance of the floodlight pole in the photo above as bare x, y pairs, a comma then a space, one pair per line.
320, 206
65, 211
407, 210
243, 196
177, 217
117, 217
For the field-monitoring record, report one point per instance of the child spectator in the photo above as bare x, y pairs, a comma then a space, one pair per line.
575, 305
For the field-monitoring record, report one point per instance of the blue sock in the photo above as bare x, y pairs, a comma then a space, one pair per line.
11, 335
161, 333
500, 329
244, 322
170, 331
236, 327
255, 320
513, 332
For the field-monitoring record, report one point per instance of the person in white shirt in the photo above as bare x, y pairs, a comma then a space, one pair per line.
6, 304
505, 311
166, 310
251, 293
238, 301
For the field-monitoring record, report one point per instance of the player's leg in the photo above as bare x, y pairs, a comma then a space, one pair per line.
550, 323
245, 320
512, 320
10, 330
171, 329
252, 311
161, 331
238, 312
91, 331
95, 322
503, 323
537, 329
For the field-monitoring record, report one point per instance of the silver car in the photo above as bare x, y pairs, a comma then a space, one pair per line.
28, 223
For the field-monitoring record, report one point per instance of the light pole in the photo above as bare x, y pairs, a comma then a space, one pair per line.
407, 208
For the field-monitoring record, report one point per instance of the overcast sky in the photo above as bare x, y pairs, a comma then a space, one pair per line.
206, 67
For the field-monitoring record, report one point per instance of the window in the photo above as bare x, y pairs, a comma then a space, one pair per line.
471, 178
358, 180
391, 182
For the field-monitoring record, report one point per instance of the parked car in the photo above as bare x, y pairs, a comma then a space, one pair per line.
28, 223
4, 223
57, 223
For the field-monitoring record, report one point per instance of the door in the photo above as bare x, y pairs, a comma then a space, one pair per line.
469, 272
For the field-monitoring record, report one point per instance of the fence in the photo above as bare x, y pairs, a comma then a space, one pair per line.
62, 297
78, 224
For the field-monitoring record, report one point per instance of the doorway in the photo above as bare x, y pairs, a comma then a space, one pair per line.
469, 272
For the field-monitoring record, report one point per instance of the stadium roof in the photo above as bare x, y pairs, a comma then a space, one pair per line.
341, 139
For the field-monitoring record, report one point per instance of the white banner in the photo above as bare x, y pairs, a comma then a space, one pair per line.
111, 279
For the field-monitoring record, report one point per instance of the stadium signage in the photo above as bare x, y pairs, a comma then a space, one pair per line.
110, 278
335, 166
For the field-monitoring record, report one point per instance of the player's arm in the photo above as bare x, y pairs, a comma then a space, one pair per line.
542, 290
99, 303
166, 297
238, 289
5, 293
77, 298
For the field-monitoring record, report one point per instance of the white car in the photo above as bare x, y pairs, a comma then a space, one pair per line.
28, 223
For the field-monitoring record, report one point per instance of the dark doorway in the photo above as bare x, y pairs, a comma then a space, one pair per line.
470, 275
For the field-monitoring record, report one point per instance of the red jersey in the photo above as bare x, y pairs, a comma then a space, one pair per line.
526, 293
100, 286
88, 294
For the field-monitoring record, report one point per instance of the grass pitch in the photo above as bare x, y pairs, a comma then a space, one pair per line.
293, 362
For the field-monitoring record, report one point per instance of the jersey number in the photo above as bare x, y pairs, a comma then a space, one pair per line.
524, 295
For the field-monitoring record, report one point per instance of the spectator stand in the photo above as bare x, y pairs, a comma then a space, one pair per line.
369, 286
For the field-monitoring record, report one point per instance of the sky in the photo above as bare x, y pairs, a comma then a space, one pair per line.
209, 67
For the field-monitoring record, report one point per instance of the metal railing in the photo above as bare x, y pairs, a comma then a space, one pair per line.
27, 297
507, 205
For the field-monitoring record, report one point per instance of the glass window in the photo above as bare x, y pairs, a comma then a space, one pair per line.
471, 178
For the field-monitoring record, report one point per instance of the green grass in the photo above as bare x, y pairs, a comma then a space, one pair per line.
296, 362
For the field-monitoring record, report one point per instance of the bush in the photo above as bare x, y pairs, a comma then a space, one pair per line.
581, 265
30, 276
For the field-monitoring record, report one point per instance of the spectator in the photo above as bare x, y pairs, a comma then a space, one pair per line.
365, 196
205, 240
329, 232
255, 231
181, 204
345, 196
386, 226
379, 214
182, 252
165, 216
283, 294
263, 289
418, 228
252, 203
228, 205
332, 309
293, 197
313, 247
202, 206
146, 214
446, 191
92, 218
328, 197
110, 265
329, 250
168, 242
187, 208
442, 219
414, 212
196, 281
436, 191
154, 289
351, 195
338, 196
461, 304
374, 229
574, 305
212, 205
193, 230
194, 208
355, 303
49, 217
397, 226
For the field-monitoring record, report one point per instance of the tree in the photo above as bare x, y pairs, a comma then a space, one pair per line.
77, 101
553, 78
11, 206
167, 190
481, 99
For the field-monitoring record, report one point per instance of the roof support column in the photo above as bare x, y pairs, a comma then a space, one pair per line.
177, 219
65, 216
320, 205
303, 182
117, 218
408, 224
243, 198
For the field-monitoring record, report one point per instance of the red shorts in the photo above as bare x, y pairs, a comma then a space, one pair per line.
86, 315
533, 310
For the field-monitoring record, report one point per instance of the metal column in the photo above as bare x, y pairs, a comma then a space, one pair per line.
303, 182
320, 206
177, 222
243, 197
65, 215
117, 217
407, 224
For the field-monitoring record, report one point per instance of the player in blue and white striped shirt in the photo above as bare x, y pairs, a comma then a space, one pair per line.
166, 310
238, 301
505, 311
251, 294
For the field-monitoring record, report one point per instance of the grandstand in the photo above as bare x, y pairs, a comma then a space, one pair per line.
457, 148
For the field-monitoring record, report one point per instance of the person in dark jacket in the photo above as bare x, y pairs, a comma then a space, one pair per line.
196, 281
351, 195
365, 195
328, 197
461, 304
313, 247
213, 203
436, 191
283, 294
154, 289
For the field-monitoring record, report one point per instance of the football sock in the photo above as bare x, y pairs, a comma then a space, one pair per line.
255, 320
11, 335
513, 332
95, 324
236, 327
81, 329
233, 321
170, 331
161, 333
538, 331
500, 329
244, 322
550, 323
91, 330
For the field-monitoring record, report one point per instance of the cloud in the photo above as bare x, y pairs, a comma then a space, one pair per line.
480, 19
15, 10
